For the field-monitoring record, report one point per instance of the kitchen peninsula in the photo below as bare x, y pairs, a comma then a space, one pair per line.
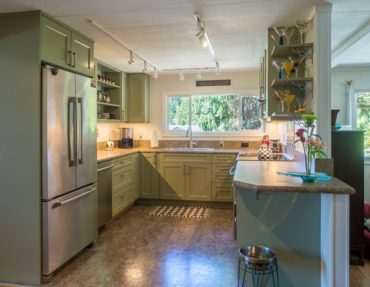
292, 218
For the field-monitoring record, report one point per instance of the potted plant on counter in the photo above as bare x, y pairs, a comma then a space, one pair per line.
313, 147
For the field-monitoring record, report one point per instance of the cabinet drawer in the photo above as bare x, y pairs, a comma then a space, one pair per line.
224, 158
124, 161
220, 172
118, 201
123, 198
222, 191
185, 157
122, 177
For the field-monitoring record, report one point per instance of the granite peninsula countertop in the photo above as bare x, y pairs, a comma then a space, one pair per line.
261, 176
103, 155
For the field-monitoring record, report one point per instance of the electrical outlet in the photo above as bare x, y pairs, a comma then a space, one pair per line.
244, 144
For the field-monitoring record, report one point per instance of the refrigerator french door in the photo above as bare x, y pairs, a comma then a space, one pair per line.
69, 197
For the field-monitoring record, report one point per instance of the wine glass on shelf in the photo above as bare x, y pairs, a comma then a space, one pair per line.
288, 66
280, 97
296, 63
302, 26
288, 97
288, 33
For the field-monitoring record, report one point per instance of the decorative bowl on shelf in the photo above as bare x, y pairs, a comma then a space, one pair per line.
312, 177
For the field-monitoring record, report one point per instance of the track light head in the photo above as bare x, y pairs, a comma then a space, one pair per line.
155, 75
204, 42
131, 61
218, 69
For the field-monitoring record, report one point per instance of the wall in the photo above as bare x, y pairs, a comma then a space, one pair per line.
246, 81
20, 146
361, 80
170, 84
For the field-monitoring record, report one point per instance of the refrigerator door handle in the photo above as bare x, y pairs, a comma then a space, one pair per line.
71, 130
80, 131
64, 202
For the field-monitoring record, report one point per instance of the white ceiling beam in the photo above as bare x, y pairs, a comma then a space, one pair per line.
349, 42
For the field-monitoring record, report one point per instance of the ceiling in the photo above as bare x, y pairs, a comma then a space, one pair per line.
163, 31
351, 32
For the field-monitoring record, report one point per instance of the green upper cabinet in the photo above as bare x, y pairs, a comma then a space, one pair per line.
137, 98
82, 54
64, 47
56, 40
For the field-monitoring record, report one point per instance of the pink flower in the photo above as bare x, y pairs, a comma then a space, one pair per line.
300, 134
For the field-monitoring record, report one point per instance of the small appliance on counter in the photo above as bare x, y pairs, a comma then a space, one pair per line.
109, 145
126, 138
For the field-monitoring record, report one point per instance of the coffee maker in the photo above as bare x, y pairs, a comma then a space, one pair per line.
126, 138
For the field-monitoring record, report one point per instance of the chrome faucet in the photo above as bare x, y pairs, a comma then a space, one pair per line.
189, 133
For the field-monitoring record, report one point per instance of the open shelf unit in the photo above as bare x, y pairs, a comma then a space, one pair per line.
109, 85
298, 84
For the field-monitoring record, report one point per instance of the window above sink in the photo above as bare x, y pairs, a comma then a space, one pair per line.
213, 114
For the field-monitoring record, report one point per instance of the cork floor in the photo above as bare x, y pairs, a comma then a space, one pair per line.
148, 251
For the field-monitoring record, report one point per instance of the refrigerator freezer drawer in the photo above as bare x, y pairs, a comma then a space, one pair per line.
69, 225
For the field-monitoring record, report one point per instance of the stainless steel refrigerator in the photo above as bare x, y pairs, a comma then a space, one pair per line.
69, 196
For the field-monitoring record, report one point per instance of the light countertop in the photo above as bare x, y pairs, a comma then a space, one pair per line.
261, 176
103, 155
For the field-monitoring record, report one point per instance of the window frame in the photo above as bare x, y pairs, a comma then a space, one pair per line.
354, 111
239, 133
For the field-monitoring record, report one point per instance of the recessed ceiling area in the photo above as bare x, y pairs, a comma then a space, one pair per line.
163, 31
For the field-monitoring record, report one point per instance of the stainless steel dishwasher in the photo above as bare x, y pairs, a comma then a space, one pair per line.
104, 192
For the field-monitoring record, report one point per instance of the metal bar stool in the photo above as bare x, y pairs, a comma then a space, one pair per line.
260, 262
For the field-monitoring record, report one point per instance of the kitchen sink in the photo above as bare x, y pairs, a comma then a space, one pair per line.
188, 149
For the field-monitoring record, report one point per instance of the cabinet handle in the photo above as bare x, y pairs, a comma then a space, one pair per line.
70, 58
187, 169
74, 59
184, 169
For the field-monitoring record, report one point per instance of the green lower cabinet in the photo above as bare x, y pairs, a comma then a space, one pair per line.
149, 184
125, 183
172, 180
222, 188
186, 181
222, 191
198, 181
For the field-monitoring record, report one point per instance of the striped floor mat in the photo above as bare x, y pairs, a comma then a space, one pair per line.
180, 211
